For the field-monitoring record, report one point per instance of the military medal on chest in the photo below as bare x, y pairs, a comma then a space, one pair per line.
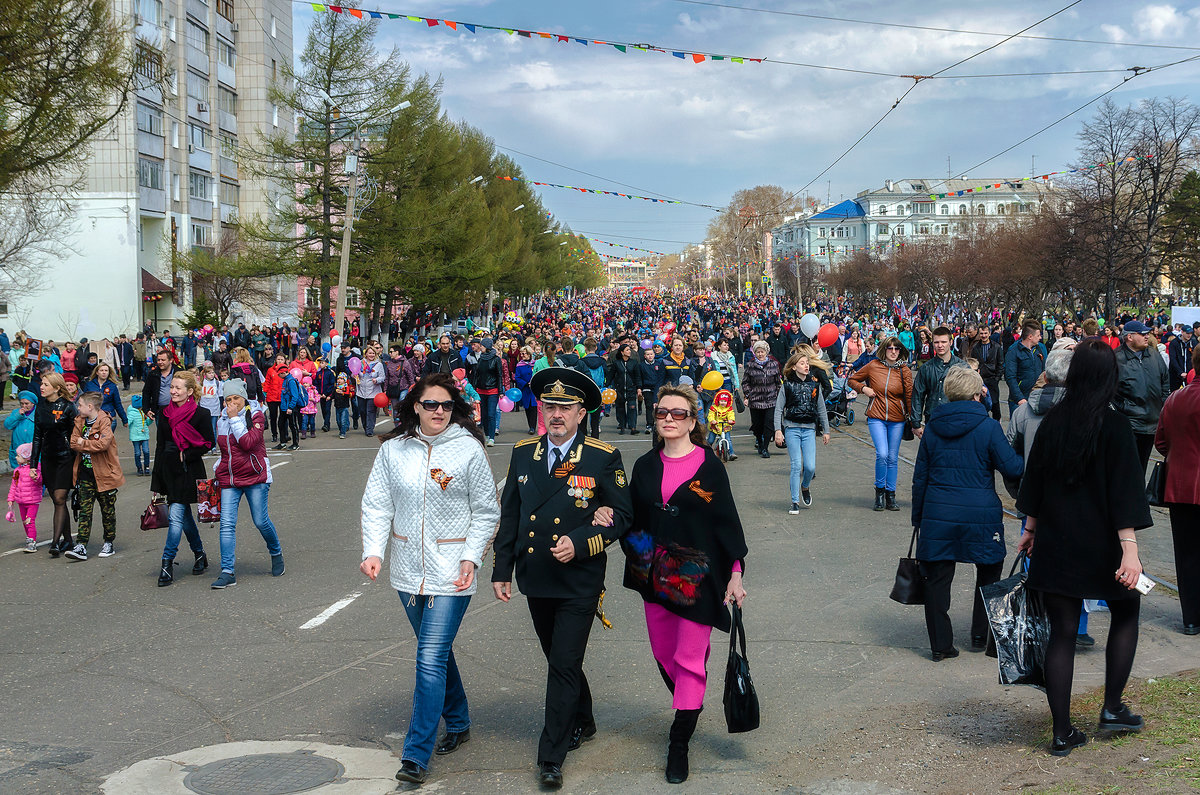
581, 488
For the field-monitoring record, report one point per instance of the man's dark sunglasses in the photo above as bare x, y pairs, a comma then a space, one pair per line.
432, 405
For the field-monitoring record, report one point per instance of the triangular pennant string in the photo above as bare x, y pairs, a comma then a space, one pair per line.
1043, 177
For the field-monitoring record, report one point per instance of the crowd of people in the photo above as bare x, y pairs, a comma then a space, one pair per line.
683, 369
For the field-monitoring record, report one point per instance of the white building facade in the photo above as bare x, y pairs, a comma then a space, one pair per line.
167, 169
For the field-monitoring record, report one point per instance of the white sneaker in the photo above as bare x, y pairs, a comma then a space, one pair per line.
107, 550
30, 545
491, 442
77, 552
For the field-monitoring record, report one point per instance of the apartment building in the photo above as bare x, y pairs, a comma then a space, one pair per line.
166, 174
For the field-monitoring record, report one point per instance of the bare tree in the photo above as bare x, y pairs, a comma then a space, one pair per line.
31, 225
233, 277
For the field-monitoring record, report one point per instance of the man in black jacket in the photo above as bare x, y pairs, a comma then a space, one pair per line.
1179, 351
990, 355
443, 360
156, 391
488, 378
125, 360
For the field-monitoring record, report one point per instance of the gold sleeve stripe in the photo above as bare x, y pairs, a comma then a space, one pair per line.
524, 442
590, 442
595, 545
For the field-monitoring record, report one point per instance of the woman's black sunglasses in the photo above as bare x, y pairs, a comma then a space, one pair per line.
679, 414
432, 405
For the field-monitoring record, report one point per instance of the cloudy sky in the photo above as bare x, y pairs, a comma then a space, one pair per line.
656, 125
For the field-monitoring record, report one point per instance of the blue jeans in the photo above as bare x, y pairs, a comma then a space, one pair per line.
887, 437
489, 414
214, 426
439, 689
343, 420
308, 423
256, 498
326, 406
802, 452
182, 523
712, 440
141, 455
366, 413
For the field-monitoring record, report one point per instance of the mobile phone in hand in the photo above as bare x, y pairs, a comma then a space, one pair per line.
1144, 584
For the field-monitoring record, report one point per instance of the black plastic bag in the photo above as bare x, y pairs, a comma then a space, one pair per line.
1020, 627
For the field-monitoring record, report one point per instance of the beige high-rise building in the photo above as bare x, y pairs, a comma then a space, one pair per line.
168, 169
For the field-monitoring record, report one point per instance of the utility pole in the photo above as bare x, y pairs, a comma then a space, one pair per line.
344, 269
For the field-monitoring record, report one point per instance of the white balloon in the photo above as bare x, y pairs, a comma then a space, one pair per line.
335, 339
810, 324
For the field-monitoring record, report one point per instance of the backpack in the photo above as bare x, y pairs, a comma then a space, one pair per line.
595, 373
302, 402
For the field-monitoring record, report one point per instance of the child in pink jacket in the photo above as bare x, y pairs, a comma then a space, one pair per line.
26, 491
308, 414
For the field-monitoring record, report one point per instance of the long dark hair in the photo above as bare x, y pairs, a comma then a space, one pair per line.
1071, 429
407, 423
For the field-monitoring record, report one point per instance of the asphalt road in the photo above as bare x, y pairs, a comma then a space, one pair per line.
101, 668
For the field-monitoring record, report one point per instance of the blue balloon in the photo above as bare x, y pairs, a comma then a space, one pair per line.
325, 346
514, 395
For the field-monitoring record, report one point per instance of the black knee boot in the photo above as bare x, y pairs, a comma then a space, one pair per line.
879, 498
665, 677
677, 747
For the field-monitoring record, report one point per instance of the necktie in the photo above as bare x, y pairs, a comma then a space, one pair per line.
556, 462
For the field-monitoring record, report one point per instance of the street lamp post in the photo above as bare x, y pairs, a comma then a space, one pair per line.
339, 316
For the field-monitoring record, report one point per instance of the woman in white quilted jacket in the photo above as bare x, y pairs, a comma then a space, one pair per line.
431, 491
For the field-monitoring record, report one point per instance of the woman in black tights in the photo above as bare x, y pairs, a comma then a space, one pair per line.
53, 421
1084, 496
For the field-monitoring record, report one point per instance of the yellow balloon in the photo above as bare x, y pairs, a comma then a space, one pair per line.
608, 396
712, 381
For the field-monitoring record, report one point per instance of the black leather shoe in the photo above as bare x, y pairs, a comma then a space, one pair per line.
978, 643
1062, 746
1191, 629
1120, 720
201, 564
550, 775
948, 654
451, 741
411, 772
581, 735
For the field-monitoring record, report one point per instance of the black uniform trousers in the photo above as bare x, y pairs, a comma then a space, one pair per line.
939, 575
562, 627
1185, 530
1145, 443
993, 388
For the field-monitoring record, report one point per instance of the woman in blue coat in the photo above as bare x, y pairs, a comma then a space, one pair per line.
102, 381
956, 507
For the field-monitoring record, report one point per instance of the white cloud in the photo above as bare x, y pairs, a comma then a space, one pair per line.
1114, 32
1160, 21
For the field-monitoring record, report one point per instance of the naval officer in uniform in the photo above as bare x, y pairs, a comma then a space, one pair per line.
555, 484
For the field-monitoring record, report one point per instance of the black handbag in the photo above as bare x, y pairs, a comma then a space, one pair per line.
907, 435
737, 399
741, 699
909, 588
1157, 487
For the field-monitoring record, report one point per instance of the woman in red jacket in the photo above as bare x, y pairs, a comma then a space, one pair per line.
243, 472
1178, 438
273, 391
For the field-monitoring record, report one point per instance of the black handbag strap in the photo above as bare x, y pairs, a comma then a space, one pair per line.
1020, 559
913, 544
736, 631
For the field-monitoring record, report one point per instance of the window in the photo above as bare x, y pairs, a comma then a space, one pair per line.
201, 235
150, 12
945, 209
899, 231
274, 69
944, 229
274, 115
982, 210
3, 308
924, 207
150, 174
199, 186
821, 232
883, 209
171, 27
229, 146
352, 299
312, 296
272, 26
226, 54
225, 9
175, 134
197, 37
854, 231
148, 63
149, 119
197, 87
821, 251
175, 187
229, 194
923, 229
226, 100
1001, 209
881, 229
962, 209
200, 137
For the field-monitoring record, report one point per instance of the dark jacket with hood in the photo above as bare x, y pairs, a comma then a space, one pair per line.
954, 485
929, 388
488, 373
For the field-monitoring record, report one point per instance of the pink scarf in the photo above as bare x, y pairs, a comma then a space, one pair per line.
180, 417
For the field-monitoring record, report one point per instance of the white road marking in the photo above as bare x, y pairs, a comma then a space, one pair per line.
328, 612
279, 464
22, 549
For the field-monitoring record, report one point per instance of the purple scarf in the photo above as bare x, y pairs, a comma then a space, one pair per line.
180, 417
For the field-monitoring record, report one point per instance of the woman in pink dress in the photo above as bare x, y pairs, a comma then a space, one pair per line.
685, 554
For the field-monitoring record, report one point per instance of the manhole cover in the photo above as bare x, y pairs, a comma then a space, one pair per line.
264, 774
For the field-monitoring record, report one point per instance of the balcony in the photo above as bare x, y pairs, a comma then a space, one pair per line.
227, 121
229, 213
197, 59
229, 167
200, 209
226, 28
199, 159
151, 93
150, 144
226, 74
152, 201
149, 33
198, 109
198, 10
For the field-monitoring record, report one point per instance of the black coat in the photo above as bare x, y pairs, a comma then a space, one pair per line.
175, 475
53, 423
1076, 551
626, 378
150, 389
535, 509
682, 559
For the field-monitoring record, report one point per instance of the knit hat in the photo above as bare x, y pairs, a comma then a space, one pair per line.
25, 450
235, 388
25, 394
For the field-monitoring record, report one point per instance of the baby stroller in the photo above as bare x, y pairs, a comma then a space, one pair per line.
838, 404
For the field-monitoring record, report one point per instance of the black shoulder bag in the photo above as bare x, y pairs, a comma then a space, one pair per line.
741, 699
909, 588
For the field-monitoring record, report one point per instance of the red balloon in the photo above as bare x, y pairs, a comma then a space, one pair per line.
381, 400
827, 336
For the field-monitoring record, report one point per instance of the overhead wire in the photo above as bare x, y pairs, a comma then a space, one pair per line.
929, 27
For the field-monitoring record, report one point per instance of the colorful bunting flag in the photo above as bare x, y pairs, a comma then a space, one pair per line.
1043, 177
607, 192
620, 46
622, 245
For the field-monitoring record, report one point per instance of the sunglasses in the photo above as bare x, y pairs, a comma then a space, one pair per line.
678, 414
892, 348
433, 405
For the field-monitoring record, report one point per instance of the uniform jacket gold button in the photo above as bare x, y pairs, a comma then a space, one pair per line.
553, 538
532, 517
531, 534
556, 520
531, 550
